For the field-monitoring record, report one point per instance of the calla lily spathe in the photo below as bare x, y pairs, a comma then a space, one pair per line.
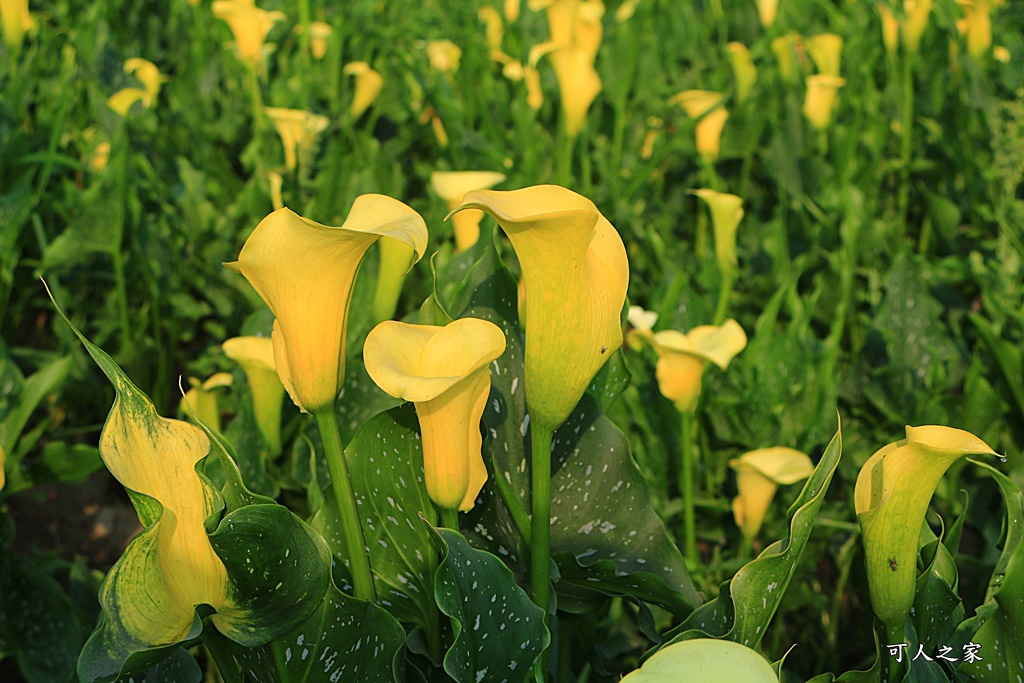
915, 21
726, 214
368, 86
820, 100
643, 327
784, 48
708, 660
256, 356
123, 99
890, 28
758, 474
17, 21
682, 358
743, 70
826, 51
148, 73
705, 106
766, 11
444, 56
249, 25
444, 371
305, 271
319, 33
202, 398
452, 186
891, 498
575, 272
298, 130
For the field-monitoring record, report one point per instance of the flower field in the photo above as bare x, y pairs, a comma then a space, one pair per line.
540, 340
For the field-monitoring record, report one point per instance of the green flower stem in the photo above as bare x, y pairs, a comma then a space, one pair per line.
686, 485
540, 544
449, 518
907, 143
724, 294
256, 98
563, 159
345, 498
746, 543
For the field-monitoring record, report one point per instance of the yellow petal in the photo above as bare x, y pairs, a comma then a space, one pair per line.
626, 10
641, 319
784, 48
706, 660
494, 29
368, 86
16, 21
256, 356
249, 25
298, 130
452, 186
319, 33
396, 258
766, 11
979, 29
305, 272
890, 28
709, 133
512, 10
444, 371
122, 100
758, 474
825, 49
820, 101
782, 465
697, 103
743, 70
914, 23
891, 498
682, 357
147, 72
202, 400
726, 214
444, 56
578, 85
575, 272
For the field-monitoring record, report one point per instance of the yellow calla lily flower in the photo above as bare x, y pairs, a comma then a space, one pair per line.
396, 258
276, 184
17, 21
978, 17
444, 371
578, 85
575, 271
305, 271
915, 22
147, 72
707, 660
368, 86
123, 99
743, 70
826, 51
758, 474
534, 94
298, 130
726, 214
767, 10
444, 56
494, 28
319, 33
820, 100
682, 358
202, 398
784, 49
249, 24
890, 28
643, 327
452, 186
256, 356
511, 10
705, 106
626, 11
891, 498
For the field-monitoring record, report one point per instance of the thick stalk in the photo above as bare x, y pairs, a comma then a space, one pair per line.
449, 518
686, 485
345, 498
724, 294
540, 523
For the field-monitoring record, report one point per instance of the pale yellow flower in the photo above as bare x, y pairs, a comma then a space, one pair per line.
743, 70
202, 398
682, 358
368, 86
820, 101
452, 186
445, 372
758, 474
726, 214
826, 50
444, 56
147, 72
256, 356
249, 24
767, 11
298, 130
915, 22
